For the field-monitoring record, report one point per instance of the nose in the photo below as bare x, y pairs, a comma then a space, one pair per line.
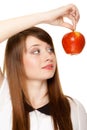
48, 56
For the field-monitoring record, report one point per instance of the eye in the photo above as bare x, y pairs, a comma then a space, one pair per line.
50, 50
37, 51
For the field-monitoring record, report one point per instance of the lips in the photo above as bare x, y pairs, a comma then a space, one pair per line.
49, 67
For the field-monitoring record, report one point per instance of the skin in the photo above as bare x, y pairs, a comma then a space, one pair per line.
12, 26
55, 17
38, 55
1, 77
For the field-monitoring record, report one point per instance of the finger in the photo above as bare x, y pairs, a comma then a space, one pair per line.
77, 16
73, 21
67, 25
0, 71
73, 10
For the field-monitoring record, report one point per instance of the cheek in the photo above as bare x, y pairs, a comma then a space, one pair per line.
29, 62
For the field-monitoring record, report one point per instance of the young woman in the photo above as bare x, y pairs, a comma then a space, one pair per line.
31, 97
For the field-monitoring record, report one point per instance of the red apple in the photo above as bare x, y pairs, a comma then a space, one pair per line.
73, 42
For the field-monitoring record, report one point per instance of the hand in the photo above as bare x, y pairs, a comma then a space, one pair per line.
1, 77
56, 16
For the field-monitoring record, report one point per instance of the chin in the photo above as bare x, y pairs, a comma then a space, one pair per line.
49, 77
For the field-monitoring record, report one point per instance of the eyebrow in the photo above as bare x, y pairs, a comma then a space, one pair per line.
36, 45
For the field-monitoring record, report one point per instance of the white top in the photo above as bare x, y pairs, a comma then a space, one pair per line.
38, 120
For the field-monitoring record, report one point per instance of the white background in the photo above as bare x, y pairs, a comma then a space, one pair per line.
72, 69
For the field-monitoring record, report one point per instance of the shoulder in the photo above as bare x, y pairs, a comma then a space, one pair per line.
76, 105
78, 114
4, 92
5, 98
5, 106
4, 87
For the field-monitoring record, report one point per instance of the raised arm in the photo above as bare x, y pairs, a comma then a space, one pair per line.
55, 17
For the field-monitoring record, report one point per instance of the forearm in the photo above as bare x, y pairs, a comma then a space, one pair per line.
54, 17
12, 26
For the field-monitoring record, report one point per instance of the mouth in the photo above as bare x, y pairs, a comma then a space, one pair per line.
48, 67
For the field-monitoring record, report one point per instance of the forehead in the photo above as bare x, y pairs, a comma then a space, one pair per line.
33, 41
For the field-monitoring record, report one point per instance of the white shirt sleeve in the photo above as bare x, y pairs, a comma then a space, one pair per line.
82, 116
78, 115
5, 107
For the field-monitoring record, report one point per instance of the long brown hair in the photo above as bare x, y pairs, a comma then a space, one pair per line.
13, 65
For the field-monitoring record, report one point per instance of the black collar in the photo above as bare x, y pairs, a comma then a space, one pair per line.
44, 109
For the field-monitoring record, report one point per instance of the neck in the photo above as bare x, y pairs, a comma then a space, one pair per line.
36, 93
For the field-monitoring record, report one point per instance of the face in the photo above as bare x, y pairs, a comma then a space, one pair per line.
39, 59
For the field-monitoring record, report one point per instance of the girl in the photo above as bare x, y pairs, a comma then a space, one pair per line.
31, 97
